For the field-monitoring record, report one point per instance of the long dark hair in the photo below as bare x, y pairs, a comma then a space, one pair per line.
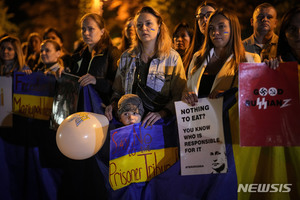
19, 57
29, 49
185, 26
126, 39
234, 45
198, 37
283, 48
55, 31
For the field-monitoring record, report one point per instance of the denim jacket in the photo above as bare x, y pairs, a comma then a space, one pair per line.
166, 75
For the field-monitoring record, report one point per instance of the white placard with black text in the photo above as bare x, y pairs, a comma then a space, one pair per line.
201, 135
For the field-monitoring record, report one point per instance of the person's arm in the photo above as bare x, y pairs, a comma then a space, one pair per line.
178, 83
189, 96
26, 70
104, 84
118, 91
102, 71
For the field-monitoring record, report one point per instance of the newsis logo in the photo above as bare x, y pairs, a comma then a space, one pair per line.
263, 187
262, 103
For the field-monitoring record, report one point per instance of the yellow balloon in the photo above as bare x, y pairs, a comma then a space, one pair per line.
81, 135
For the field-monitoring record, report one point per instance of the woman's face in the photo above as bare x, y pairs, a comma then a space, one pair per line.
147, 27
53, 36
129, 30
90, 31
36, 44
219, 31
292, 33
49, 53
7, 51
181, 40
202, 16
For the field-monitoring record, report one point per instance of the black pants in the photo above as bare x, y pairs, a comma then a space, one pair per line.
82, 179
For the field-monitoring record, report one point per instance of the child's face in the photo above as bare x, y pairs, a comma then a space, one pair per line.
130, 117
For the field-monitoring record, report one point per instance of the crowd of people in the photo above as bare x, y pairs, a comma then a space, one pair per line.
141, 80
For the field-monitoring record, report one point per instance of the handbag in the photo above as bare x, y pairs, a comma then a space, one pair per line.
152, 100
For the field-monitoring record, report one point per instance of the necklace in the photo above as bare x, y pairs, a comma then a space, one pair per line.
150, 55
146, 56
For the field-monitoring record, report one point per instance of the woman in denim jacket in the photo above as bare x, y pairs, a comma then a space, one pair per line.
152, 63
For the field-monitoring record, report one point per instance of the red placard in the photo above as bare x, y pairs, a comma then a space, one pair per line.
269, 107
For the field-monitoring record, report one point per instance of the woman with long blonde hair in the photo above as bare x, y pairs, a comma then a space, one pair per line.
150, 68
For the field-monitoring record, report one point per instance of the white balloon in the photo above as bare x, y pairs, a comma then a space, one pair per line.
81, 135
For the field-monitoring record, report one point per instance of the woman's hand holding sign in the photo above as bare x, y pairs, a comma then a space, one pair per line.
190, 98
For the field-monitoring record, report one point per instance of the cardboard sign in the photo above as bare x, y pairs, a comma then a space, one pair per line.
5, 101
201, 135
33, 95
269, 105
138, 154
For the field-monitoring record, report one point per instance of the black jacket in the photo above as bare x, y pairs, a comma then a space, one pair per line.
102, 66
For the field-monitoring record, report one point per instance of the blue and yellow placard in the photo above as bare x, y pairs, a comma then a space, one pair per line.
33, 95
138, 154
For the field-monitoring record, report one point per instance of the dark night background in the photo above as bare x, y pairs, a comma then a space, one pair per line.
33, 15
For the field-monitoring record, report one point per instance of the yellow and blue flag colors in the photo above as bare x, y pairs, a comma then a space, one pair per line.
138, 154
33, 95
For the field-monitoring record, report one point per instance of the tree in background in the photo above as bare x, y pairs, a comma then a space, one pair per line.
65, 15
6, 25
116, 12
61, 15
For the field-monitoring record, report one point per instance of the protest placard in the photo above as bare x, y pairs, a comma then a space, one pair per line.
6, 101
138, 154
269, 105
201, 135
33, 95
